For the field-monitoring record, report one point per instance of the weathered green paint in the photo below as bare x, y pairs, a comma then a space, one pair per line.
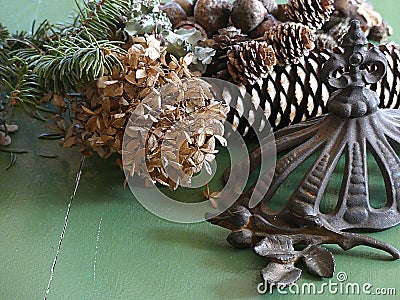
139, 256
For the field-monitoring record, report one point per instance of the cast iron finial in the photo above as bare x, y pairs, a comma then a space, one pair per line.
357, 67
354, 127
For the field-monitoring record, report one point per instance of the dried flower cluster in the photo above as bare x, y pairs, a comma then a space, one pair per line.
173, 131
100, 121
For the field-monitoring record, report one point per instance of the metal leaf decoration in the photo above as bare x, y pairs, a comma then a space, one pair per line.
319, 261
277, 248
282, 275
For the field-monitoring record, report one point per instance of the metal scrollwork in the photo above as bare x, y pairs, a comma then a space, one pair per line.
354, 127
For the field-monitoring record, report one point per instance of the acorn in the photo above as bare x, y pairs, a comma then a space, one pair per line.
243, 238
280, 14
174, 12
268, 23
212, 14
187, 5
248, 14
270, 5
190, 25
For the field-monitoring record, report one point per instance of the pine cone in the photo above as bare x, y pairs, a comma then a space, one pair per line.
338, 31
291, 41
325, 41
229, 36
296, 92
380, 33
313, 13
332, 37
221, 42
250, 61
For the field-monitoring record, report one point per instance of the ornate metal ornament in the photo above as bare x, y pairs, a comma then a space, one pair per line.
354, 127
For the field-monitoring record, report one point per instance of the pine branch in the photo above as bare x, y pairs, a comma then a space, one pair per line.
18, 83
4, 34
75, 61
100, 18
65, 57
62, 58
5, 54
24, 88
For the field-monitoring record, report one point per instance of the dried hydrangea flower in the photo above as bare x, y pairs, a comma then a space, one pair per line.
173, 131
100, 121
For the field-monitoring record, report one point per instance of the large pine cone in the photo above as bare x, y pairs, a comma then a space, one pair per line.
296, 92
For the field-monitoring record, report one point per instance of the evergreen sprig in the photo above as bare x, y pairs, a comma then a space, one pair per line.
62, 58
100, 18
75, 61
26, 89
18, 82
5, 54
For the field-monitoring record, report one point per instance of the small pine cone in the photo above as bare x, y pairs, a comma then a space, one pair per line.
250, 61
380, 33
325, 41
229, 36
291, 41
313, 13
221, 42
338, 31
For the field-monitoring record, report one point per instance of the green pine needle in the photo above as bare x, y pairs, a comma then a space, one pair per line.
75, 61
100, 18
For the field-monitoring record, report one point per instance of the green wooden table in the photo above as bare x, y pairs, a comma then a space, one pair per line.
114, 248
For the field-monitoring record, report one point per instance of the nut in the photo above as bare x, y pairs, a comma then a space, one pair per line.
174, 12
190, 25
268, 23
212, 14
270, 5
248, 14
187, 5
